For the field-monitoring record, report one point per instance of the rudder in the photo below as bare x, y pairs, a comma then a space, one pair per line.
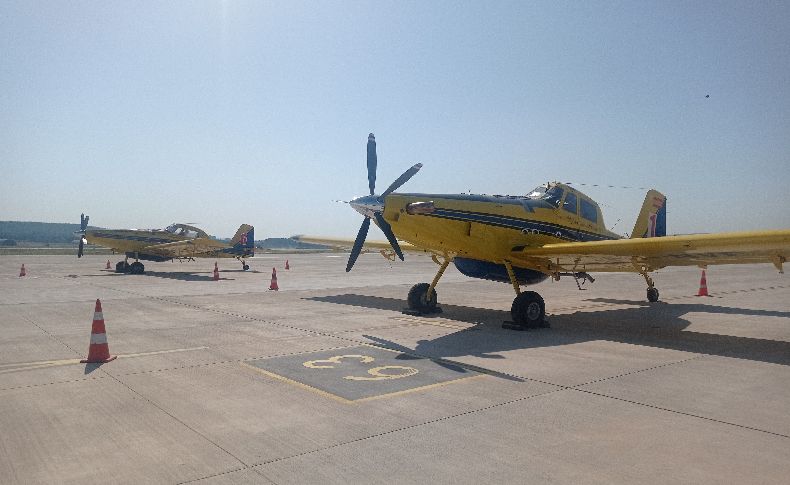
652, 220
244, 238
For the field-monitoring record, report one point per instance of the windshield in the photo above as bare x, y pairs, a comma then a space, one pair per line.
553, 196
172, 228
537, 192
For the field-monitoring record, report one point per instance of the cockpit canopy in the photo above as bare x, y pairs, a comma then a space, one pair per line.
186, 231
568, 199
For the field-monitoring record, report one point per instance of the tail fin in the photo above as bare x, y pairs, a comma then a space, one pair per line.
244, 238
652, 220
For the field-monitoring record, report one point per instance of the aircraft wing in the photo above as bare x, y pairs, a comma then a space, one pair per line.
342, 243
185, 249
657, 252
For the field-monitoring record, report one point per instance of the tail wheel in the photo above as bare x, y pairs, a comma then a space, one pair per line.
528, 310
245, 267
419, 299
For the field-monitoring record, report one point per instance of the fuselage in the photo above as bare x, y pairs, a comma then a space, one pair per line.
134, 242
487, 228
130, 240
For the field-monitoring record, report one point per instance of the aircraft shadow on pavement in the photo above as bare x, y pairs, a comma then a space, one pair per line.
660, 325
171, 275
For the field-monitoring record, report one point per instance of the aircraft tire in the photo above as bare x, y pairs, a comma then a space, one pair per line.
652, 295
122, 267
245, 267
136, 268
418, 298
528, 310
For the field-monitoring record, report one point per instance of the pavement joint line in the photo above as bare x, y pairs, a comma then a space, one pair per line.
639, 371
31, 386
174, 417
192, 366
194, 480
475, 368
23, 366
410, 427
482, 369
682, 413
30, 320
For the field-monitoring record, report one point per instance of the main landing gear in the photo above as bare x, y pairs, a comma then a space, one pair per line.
124, 267
652, 291
528, 309
422, 296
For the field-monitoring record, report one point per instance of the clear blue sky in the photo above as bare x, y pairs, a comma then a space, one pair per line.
222, 112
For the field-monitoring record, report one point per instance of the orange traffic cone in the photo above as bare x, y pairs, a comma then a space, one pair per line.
22, 271
703, 285
286, 265
216, 272
108, 265
98, 351
273, 285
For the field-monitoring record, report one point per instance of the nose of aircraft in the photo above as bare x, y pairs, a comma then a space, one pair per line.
367, 205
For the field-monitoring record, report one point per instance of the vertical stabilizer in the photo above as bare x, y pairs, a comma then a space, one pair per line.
652, 220
244, 238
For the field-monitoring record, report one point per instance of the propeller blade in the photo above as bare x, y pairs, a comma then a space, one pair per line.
84, 222
358, 242
402, 179
82, 245
372, 162
387, 230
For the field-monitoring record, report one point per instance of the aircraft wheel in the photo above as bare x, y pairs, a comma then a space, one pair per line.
245, 267
652, 295
418, 298
122, 267
528, 310
136, 268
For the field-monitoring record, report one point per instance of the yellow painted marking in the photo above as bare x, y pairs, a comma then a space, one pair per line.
158, 352
415, 389
377, 374
428, 321
377, 370
8, 368
22, 366
312, 364
297, 384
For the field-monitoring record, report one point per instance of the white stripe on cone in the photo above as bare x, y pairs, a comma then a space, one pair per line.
98, 338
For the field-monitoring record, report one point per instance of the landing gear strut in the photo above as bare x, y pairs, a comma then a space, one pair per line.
422, 296
528, 309
134, 268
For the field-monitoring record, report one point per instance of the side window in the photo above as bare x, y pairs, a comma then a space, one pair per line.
570, 202
589, 211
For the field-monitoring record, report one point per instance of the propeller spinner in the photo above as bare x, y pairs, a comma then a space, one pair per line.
372, 206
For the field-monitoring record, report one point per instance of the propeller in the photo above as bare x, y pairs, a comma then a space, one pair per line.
83, 226
372, 206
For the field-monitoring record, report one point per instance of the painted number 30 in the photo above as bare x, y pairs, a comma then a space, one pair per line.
379, 373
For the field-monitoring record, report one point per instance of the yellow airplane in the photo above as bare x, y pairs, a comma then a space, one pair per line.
177, 241
554, 231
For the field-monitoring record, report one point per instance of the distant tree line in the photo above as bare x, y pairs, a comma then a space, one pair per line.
43, 232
